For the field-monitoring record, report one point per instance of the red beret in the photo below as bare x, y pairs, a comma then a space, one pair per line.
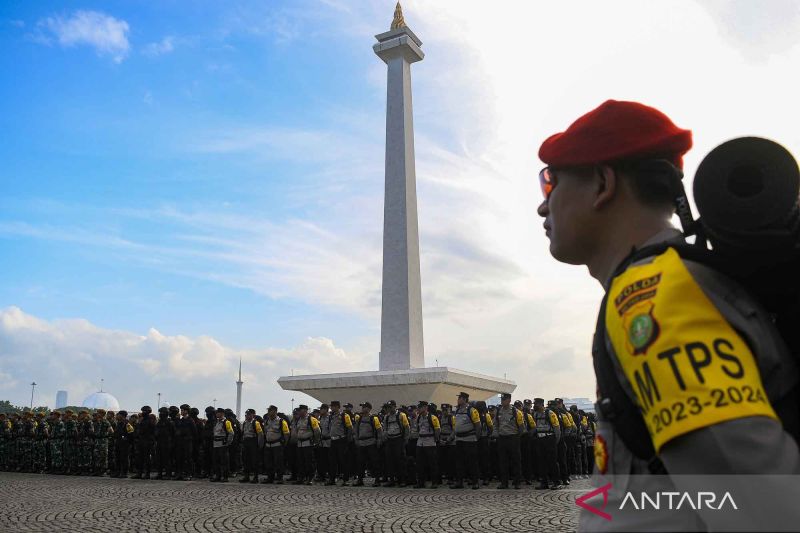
617, 131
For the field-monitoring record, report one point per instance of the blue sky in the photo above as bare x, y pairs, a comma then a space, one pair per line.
182, 187
95, 140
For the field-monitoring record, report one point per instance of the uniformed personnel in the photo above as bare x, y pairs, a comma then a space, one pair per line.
693, 376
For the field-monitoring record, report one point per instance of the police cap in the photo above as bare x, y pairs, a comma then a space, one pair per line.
220, 410
538, 401
302, 407
272, 408
324, 406
123, 413
463, 395
506, 396
185, 407
422, 403
146, 409
367, 405
250, 412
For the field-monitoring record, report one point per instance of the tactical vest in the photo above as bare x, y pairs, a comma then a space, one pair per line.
543, 423
393, 425
370, 432
446, 423
506, 422
465, 428
249, 429
273, 429
336, 426
304, 431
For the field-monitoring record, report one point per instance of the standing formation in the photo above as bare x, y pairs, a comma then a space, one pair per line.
466, 444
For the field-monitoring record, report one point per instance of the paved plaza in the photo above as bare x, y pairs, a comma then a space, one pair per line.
59, 503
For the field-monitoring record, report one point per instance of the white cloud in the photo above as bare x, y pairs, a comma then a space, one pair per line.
106, 34
164, 46
75, 354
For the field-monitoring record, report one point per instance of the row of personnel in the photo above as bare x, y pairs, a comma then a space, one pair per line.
397, 446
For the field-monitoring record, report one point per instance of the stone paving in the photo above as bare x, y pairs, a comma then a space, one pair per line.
33, 502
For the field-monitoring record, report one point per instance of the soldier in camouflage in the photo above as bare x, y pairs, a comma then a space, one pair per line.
70, 443
56, 443
85, 443
101, 430
41, 433
5, 441
24, 436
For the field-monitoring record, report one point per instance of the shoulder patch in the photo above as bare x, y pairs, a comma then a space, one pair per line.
686, 364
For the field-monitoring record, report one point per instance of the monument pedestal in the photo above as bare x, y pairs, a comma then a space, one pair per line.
406, 387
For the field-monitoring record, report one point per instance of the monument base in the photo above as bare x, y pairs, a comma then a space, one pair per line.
406, 387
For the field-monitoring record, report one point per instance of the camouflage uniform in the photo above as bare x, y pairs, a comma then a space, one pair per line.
112, 421
56, 443
5, 441
41, 433
25, 434
101, 429
70, 443
85, 443
11, 451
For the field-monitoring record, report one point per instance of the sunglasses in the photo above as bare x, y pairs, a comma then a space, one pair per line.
547, 180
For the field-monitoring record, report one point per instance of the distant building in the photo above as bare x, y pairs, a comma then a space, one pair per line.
101, 400
61, 399
583, 403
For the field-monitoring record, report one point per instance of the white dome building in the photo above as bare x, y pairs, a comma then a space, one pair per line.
101, 400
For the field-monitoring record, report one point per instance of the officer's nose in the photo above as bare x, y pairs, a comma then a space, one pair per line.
543, 210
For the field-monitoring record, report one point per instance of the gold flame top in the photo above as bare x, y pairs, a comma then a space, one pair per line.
398, 21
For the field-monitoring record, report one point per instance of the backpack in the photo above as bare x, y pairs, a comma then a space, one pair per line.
613, 402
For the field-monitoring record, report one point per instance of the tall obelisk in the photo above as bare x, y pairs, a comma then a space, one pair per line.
402, 375
401, 310
239, 392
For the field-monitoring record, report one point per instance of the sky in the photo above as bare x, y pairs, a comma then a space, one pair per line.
182, 188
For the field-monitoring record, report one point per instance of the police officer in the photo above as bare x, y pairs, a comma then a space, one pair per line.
340, 430
123, 434
306, 433
526, 441
396, 430
484, 457
323, 451
548, 433
145, 434
428, 432
223, 439
467, 427
276, 435
566, 439
197, 442
164, 435
611, 186
252, 443
509, 425
447, 442
185, 434
208, 442
369, 435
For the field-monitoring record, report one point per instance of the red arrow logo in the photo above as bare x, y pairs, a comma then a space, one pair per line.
581, 502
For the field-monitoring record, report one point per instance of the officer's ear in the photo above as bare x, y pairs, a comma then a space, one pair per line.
606, 181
